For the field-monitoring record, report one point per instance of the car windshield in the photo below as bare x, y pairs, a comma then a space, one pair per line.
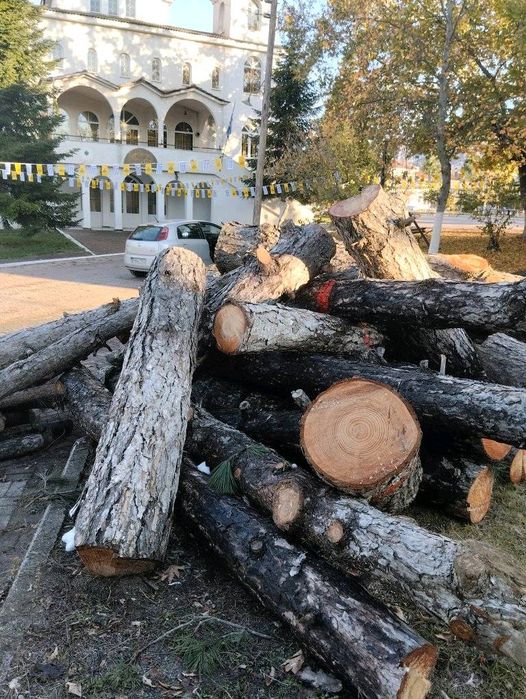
145, 233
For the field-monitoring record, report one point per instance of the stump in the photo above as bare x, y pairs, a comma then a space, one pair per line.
363, 438
124, 520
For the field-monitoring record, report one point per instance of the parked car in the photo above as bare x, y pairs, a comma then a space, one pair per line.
147, 241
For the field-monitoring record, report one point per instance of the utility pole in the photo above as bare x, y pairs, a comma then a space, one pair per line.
265, 112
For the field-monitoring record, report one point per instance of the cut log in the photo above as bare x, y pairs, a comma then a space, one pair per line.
463, 406
496, 451
382, 249
390, 554
50, 421
518, 467
248, 327
299, 255
87, 401
124, 520
20, 446
22, 344
459, 486
364, 439
237, 240
34, 397
361, 641
431, 303
65, 352
504, 359
463, 267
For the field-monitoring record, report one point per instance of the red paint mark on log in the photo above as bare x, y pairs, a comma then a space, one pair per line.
324, 295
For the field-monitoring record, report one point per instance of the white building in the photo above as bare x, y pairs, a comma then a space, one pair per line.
134, 89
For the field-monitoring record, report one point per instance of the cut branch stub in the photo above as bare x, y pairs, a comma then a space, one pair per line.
364, 439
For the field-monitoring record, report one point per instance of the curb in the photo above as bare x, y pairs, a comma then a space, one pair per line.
18, 608
81, 258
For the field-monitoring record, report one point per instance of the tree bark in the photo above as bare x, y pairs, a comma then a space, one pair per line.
364, 439
522, 193
20, 446
34, 397
432, 303
459, 486
22, 344
50, 421
124, 520
236, 241
65, 352
385, 250
87, 401
241, 328
504, 359
391, 555
351, 634
461, 406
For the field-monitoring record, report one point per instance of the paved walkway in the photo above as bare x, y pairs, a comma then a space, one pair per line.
34, 293
101, 242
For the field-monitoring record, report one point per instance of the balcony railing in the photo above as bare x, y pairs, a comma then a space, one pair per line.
135, 143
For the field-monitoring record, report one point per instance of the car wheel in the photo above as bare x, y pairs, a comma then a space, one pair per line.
136, 273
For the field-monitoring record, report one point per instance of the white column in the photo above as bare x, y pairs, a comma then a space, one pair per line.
189, 202
86, 206
160, 205
117, 206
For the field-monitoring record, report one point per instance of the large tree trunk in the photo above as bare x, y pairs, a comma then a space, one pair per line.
364, 439
442, 402
65, 352
522, 193
20, 446
87, 401
504, 359
237, 240
124, 520
458, 486
432, 303
24, 343
351, 634
241, 328
389, 554
385, 250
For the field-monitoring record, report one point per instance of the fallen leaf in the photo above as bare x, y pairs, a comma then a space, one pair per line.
54, 654
270, 677
14, 684
171, 572
147, 681
74, 688
295, 663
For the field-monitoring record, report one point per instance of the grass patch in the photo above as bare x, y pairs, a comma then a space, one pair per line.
122, 677
511, 257
15, 245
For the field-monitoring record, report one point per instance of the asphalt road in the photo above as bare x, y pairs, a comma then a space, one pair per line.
461, 220
38, 292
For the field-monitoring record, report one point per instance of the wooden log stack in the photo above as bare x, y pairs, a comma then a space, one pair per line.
329, 400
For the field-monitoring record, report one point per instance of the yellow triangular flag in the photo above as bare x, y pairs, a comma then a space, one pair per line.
219, 164
105, 170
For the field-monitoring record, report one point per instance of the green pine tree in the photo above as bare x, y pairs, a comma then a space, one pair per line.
28, 125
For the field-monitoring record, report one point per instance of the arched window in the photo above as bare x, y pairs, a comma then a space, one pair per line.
252, 79
215, 78
156, 70
249, 142
113, 7
187, 74
153, 134
130, 8
184, 136
93, 61
254, 15
95, 200
125, 65
88, 126
58, 52
130, 128
94, 6
63, 127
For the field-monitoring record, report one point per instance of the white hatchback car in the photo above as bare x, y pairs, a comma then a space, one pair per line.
147, 241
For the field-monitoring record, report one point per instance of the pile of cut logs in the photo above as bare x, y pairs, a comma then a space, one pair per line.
380, 376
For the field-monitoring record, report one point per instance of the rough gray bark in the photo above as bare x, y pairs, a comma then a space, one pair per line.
49, 421
62, 354
22, 344
385, 250
455, 405
124, 520
504, 359
457, 485
34, 397
464, 584
237, 240
431, 303
20, 446
298, 256
86, 400
241, 328
351, 634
